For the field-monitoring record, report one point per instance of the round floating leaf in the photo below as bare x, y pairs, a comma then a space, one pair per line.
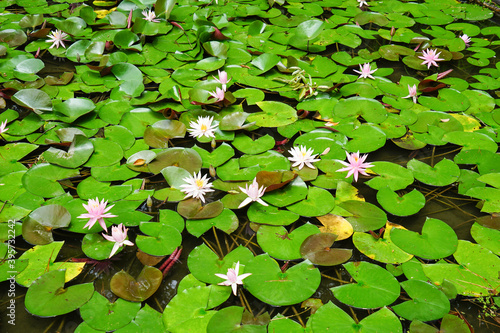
269, 284
428, 302
90, 188
127, 287
78, 153
317, 248
318, 202
140, 160
391, 175
38, 226
97, 247
74, 108
371, 110
192, 209
337, 225
158, 134
375, 286
46, 297
293, 192
248, 146
365, 139
274, 114
471, 140
487, 237
185, 158
102, 315
231, 319
443, 173
479, 260
365, 216
438, 240
131, 80
42, 179
34, 99
383, 320
203, 263
41, 259
393, 52
161, 240
281, 244
271, 215
106, 153
226, 221
381, 249
217, 157
447, 100
174, 176
408, 204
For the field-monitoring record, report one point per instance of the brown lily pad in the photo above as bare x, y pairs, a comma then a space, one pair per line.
127, 287
193, 210
317, 248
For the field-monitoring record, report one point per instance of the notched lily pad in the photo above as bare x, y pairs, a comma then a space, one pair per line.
38, 226
318, 249
127, 287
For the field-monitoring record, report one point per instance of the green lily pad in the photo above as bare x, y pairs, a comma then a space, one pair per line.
161, 239
381, 249
217, 157
274, 114
269, 284
43, 179
443, 173
192, 209
318, 202
438, 240
185, 158
270, 215
232, 319
486, 237
41, 258
491, 197
408, 204
127, 287
103, 315
371, 110
382, 320
248, 146
471, 140
33, 99
479, 260
428, 302
106, 153
159, 134
97, 247
226, 221
364, 215
90, 188
375, 286
73, 108
38, 226
47, 297
78, 153
203, 263
448, 100
281, 244
391, 175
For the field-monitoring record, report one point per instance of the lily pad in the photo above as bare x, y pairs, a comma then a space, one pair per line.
391, 175
270, 215
161, 239
318, 202
274, 114
127, 287
408, 204
364, 215
47, 297
318, 249
226, 221
38, 226
445, 172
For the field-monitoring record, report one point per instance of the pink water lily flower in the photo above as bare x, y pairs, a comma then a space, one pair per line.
57, 38
119, 237
196, 186
3, 127
466, 39
356, 165
232, 278
412, 93
366, 71
222, 79
218, 94
254, 194
430, 58
96, 212
149, 15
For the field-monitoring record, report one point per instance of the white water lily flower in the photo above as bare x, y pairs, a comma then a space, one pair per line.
254, 193
119, 237
149, 15
202, 127
302, 156
362, 2
3, 127
196, 186
232, 278
57, 38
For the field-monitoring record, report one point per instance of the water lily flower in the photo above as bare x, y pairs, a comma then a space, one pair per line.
196, 186
96, 212
232, 278
356, 165
119, 236
301, 156
362, 2
57, 38
202, 127
222, 79
366, 71
412, 93
430, 58
3, 127
218, 94
466, 39
149, 15
254, 193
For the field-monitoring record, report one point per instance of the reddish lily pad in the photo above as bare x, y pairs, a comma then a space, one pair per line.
318, 249
127, 287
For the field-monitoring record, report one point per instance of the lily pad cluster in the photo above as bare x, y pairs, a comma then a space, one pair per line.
220, 129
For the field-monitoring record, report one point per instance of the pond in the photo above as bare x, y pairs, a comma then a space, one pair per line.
256, 166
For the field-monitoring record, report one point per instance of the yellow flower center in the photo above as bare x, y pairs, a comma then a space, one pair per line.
203, 127
199, 183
